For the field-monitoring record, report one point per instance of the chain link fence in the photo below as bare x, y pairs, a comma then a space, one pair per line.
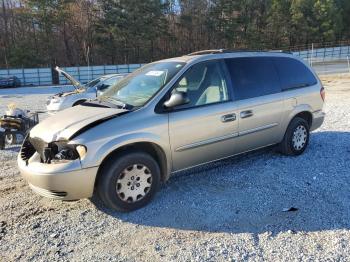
45, 76
325, 60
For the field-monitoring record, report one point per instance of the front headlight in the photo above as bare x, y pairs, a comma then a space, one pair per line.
81, 151
62, 151
55, 100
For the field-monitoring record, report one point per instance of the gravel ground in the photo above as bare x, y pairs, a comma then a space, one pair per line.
228, 210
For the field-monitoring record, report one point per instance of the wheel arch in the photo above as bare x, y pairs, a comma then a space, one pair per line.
79, 101
302, 111
150, 148
306, 115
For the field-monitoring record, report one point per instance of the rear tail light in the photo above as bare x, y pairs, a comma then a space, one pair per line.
323, 93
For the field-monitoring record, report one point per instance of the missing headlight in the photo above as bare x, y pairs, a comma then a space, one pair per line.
61, 151
49, 152
67, 154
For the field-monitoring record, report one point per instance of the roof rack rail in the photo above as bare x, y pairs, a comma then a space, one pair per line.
218, 51
209, 51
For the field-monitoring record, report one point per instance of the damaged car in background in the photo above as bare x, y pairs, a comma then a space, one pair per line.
169, 116
10, 81
82, 93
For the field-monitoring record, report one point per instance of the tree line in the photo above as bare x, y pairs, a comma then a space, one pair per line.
36, 33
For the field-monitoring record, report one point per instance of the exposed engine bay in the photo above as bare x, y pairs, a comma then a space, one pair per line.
56, 147
51, 152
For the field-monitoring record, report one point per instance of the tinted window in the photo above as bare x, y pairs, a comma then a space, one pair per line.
293, 73
253, 76
204, 84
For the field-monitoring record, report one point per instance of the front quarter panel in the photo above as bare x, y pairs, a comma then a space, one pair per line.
133, 127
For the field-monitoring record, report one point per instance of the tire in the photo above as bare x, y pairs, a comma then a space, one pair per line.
123, 180
296, 137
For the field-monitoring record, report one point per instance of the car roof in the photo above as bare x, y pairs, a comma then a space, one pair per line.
224, 53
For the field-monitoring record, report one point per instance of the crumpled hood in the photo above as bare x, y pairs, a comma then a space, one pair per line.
66, 123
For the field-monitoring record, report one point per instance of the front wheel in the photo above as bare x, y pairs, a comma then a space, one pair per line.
296, 137
128, 181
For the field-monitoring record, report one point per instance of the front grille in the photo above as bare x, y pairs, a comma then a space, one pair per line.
27, 150
39, 145
49, 193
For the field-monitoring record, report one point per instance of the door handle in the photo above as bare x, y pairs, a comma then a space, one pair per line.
228, 118
245, 114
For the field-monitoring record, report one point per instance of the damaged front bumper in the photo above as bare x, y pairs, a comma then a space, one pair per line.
65, 181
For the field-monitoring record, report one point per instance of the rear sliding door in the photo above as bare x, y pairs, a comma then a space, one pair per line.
257, 90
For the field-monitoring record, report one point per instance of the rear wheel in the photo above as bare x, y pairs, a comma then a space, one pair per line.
296, 137
129, 181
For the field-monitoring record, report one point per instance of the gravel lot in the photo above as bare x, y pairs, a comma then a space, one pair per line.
229, 210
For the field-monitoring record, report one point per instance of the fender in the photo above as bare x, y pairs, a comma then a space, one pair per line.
111, 145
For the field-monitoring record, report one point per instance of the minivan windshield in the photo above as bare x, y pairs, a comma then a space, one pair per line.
139, 87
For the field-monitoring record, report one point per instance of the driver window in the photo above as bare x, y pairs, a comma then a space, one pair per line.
204, 84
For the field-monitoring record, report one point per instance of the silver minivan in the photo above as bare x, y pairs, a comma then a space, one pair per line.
169, 116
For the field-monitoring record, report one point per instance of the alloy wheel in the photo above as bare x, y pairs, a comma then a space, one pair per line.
299, 137
133, 183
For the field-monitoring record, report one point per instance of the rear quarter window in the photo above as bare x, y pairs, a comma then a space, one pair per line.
293, 73
253, 77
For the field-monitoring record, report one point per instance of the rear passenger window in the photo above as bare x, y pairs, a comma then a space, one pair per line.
293, 73
253, 77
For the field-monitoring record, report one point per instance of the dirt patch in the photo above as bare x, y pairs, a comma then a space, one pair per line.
33, 212
7, 189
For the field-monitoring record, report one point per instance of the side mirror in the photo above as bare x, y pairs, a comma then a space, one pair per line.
177, 98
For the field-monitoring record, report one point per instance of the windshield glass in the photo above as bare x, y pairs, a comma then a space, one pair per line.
92, 83
112, 80
140, 86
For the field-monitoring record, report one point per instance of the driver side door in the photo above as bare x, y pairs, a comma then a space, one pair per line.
204, 129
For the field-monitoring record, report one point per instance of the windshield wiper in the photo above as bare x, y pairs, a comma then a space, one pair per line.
99, 103
117, 102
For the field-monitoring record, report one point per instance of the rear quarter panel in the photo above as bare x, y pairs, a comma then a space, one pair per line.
299, 100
